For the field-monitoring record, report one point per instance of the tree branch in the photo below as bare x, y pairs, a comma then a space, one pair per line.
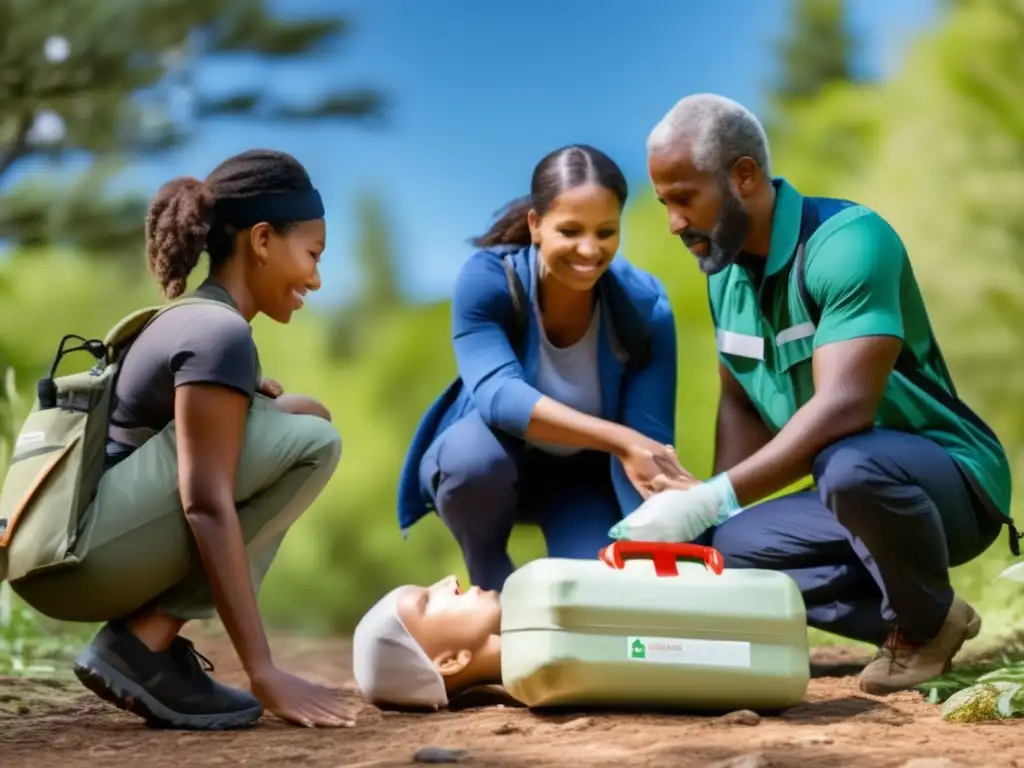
361, 103
18, 147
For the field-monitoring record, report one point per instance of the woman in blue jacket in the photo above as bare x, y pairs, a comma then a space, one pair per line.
564, 407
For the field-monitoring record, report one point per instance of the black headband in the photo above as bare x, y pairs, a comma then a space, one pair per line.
298, 205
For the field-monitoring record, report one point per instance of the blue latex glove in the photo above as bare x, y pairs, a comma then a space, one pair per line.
680, 516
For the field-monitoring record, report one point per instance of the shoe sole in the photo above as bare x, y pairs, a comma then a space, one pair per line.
973, 630
113, 687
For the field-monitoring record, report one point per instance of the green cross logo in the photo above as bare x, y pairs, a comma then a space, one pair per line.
638, 650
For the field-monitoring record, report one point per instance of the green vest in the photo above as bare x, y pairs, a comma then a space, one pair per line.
859, 282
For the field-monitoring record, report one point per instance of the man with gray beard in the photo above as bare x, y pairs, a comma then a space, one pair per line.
828, 368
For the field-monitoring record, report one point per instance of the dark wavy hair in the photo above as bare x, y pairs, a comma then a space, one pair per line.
182, 223
563, 169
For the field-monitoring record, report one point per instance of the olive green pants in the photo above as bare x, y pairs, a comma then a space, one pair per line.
138, 549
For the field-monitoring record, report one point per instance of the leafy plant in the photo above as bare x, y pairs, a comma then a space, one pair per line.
8, 431
996, 696
1004, 663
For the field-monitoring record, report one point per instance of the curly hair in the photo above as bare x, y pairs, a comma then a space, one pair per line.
563, 169
183, 219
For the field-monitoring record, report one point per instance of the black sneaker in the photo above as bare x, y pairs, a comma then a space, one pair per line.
168, 690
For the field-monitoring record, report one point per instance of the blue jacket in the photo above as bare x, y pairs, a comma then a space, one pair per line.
499, 385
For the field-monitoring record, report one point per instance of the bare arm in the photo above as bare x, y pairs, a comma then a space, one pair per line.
643, 459
739, 431
849, 381
210, 422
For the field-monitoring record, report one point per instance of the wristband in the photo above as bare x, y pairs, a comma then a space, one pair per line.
728, 504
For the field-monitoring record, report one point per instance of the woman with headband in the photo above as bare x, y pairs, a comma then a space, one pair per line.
207, 466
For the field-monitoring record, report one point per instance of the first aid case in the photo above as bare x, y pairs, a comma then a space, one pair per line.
653, 624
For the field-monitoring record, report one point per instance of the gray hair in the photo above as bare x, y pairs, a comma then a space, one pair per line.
718, 131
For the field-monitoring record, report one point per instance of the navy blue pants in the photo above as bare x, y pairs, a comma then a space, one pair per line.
483, 482
872, 547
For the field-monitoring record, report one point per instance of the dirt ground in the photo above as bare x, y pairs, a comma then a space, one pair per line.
56, 723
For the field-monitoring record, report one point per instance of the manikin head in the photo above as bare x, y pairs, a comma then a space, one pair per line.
709, 163
417, 646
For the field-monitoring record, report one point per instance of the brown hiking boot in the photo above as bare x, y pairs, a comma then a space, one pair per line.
900, 665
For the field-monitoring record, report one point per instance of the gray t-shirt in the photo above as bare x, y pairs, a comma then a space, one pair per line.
193, 343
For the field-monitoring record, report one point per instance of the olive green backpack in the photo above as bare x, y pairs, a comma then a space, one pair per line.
59, 455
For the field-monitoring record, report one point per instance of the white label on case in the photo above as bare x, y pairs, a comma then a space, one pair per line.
694, 653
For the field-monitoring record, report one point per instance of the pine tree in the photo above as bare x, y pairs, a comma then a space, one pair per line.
817, 75
376, 256
380, 292
817, 51
104, 80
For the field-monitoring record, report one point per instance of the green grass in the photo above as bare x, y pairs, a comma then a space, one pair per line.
32, 646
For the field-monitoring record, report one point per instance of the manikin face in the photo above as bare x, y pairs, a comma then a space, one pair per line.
450, 624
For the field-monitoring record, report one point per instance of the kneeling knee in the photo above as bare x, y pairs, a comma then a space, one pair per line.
738, 545
478, 482
845, 472
322, 441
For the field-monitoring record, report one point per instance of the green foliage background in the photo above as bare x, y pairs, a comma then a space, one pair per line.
938, 149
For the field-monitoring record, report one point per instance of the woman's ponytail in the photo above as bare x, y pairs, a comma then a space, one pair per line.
177, 224
510, 228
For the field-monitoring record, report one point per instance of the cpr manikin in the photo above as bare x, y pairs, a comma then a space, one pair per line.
417, 646
648, 624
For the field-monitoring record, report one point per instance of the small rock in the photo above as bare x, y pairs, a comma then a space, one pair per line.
750, 760
507, 728
439, 755
578, 724
740, 717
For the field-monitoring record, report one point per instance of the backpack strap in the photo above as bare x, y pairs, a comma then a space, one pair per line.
120, 339
105, 351
633, 334
135, 323
520, 301
908, 365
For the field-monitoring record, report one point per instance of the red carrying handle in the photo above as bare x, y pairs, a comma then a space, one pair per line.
663, 554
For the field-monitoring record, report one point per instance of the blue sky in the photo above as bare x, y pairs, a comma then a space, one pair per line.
480, 91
